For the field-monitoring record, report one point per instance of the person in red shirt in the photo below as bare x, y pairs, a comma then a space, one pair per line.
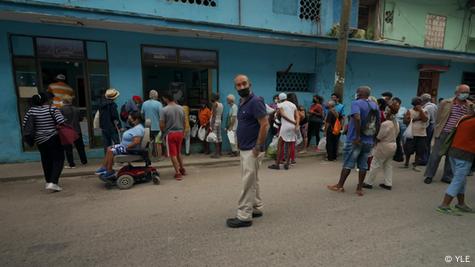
315, 119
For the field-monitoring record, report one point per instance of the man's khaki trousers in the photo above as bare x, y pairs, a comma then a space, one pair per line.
250, 198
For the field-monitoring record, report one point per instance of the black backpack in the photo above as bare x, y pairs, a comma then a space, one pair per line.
370, 128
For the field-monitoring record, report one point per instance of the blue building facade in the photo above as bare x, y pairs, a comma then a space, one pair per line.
192, 49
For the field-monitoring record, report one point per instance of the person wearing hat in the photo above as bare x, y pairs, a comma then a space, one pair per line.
109, 120
288, 131
60, 89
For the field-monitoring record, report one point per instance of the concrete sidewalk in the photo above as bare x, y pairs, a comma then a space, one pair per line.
33, 170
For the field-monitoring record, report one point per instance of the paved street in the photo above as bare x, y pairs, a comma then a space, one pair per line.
183, 223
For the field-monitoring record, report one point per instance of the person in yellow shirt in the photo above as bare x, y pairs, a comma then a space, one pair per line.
59, 89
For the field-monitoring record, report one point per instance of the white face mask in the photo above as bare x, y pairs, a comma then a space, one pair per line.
356, 96
463, 96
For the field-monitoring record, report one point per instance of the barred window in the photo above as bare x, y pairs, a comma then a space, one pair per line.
310, 10
435, 31
294, 82
208, 3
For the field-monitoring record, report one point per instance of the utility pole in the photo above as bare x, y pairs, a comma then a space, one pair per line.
342, 49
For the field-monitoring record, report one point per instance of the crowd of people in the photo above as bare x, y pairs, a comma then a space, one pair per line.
377, 131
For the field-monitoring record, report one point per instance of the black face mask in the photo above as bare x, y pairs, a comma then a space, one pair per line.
244, 92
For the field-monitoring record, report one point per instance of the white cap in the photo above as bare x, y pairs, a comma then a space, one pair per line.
61, 77
282, 96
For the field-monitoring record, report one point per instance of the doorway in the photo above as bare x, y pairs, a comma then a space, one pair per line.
429, 84
74, 71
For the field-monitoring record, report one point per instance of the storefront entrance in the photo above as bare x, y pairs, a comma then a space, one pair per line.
37, 61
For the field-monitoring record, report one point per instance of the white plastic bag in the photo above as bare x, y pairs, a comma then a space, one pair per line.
96, 121
299, 139
408, 132
272, 148
232, 137
322, 145
211, 138
202, 133
194, 130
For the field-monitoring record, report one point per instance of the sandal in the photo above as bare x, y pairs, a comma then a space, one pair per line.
447, 211
336, 188
274, 167
464, 208
360, 193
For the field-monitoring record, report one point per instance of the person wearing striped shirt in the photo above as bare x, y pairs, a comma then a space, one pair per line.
448, 114
60, 89
46, 118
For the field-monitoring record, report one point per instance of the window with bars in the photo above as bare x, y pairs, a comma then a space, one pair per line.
294, 82
208, 3
310, 10
435, 31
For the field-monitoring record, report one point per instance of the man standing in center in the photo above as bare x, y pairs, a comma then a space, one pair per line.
151, 110
363, 127
251, 135
172, 126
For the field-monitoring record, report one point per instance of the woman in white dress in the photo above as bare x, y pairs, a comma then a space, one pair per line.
288, 113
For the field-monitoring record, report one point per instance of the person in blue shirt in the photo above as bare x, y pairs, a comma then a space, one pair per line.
251, 132
131, 139
151, 110
360, 138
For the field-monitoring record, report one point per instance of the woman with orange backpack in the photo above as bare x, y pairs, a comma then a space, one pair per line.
332, 131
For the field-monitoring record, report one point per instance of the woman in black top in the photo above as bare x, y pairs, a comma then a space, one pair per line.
46, 118
332, 140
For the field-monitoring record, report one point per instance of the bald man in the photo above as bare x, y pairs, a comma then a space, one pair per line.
448, 114
251, 135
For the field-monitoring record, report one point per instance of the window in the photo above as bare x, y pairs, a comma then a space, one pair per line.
294, 82
310, 10
435, 31
208, 3
368, 17
59, 48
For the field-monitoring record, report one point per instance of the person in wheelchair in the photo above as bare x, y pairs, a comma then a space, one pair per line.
131, 139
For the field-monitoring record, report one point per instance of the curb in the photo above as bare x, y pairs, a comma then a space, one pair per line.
229, 162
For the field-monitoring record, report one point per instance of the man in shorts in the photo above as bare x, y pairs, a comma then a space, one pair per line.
172, 125
358, 145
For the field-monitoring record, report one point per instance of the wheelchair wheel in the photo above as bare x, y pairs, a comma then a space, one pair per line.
156, 179
125, 181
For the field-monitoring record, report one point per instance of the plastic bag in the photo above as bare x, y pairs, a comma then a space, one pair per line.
232, 137
299, 138
272, 148
96, 121
211, 138
408, 132
194, 130
322, 144
202, 133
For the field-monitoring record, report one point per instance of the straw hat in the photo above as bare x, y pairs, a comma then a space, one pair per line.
111, 94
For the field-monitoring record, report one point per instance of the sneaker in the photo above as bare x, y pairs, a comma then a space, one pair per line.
182, 171
107, 175
414, 168
69, 167
101, 171
293, 162
56, 188
257, 213
48, 185
463, 208
178, 176
367, 186
447, 211
428, 180
286, 166
447, 181
274, 167
236, 223
387, 187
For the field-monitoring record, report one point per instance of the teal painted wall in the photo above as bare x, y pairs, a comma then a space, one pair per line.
410, 20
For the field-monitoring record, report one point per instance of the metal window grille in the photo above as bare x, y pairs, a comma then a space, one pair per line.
208, 3
310, 10
293, 82
435, 31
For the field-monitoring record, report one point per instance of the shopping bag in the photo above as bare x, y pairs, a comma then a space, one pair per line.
96, 122
232, 137
336, 127
194, 130
272, 148
67, 134
322, 144
202, 133
211, 138
408, 132
299, 138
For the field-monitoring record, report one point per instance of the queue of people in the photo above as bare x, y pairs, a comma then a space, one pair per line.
377, 132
